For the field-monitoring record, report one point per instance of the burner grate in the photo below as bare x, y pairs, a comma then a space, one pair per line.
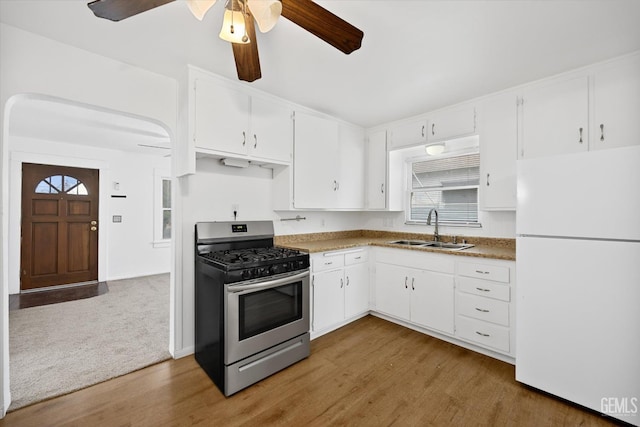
239, 257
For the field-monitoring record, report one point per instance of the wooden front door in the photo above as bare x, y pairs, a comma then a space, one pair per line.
59, 225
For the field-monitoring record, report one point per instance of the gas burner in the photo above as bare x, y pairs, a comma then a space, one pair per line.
252, 263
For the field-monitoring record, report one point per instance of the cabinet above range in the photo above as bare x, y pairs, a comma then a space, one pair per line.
229, 121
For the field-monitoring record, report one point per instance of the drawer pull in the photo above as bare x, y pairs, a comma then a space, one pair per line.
328, 263
483, 290
482, 310
482, 272
482, 335
358, 257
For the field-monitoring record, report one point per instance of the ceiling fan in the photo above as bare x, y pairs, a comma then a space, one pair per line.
238, 25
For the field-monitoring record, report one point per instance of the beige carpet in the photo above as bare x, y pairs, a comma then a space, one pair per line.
56, 349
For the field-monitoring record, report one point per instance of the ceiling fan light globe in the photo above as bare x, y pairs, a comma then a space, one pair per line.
200, 7
265, 12
233, 27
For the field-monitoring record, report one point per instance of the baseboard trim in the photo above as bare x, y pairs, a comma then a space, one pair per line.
135, 276
184, 352
449, 339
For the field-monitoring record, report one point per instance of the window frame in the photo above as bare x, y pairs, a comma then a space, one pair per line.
410, 190
160, 176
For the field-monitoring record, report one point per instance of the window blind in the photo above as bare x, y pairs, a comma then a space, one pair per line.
448, 184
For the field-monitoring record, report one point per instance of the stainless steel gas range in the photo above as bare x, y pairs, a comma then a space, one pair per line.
251, 303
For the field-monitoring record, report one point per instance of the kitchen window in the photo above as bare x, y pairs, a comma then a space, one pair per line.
447, 182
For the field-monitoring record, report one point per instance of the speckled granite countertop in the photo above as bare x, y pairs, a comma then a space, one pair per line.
323, 242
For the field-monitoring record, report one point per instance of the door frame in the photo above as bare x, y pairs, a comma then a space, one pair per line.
16, 160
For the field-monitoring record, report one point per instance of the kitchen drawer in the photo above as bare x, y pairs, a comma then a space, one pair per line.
484, 271
356, 257
484, 288
482, 308
327, 262
483, 333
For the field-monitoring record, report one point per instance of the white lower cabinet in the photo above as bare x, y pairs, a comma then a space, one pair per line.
485, 314
463, 300
423, 296
340, 288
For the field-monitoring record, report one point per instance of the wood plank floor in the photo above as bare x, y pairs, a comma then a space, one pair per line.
369, 373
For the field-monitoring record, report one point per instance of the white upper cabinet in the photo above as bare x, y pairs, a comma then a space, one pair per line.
451, 123
555, 118
376, 178
271, 130
616, 98
315, 163
498, 129
593, 109
231, 121
328, 164
408, 133
221, 120
350, 177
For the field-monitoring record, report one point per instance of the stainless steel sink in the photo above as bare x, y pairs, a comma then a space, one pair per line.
433, 244
410, 242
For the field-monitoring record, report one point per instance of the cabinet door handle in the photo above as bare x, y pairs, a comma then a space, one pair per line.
255, 141
433, 128
244, 138
335, 185
580, 135
347, 280
483, 290
602, 132
482, 310
488, 180
382, 188
413, 280
341, 283
482, 334
423, 131
405, 282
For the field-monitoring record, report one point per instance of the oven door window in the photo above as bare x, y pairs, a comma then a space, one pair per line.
267, 309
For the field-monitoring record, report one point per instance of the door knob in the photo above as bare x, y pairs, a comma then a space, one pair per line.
94, 222
94, 228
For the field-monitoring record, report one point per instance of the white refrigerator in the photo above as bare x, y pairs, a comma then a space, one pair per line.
578, 279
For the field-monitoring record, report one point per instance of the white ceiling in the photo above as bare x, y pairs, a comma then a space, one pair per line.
416, 56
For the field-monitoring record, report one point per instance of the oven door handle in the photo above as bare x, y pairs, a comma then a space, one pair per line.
267, 285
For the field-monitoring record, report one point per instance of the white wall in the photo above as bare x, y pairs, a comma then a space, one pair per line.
35, 64
494, 224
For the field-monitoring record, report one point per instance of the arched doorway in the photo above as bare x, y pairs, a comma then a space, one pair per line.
64, 134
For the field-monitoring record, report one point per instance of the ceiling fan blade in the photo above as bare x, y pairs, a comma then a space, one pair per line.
323, 24
246, 55
117, 10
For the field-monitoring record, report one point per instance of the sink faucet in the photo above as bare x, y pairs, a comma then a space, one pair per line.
436, 235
